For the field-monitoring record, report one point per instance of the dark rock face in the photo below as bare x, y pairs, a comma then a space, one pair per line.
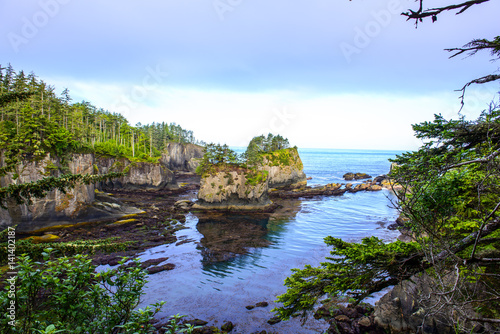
350, 320
182, 157
139, 175
76, 205
399, 311
56, 206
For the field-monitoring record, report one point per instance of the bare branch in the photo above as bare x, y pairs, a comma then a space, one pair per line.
434, 12
475, 45
482, 80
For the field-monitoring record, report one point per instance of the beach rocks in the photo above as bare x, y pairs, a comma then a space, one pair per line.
183, 205
349, 320
356, 176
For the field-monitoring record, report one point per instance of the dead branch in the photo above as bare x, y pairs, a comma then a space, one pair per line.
434, 12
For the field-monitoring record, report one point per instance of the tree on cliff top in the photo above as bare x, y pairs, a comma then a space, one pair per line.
260, 145
216, 155
28, 146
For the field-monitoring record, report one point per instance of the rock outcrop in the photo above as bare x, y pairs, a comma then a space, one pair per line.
234, 189
356, 176
400, 310
284, 168
57, 208
139, 175
182, 157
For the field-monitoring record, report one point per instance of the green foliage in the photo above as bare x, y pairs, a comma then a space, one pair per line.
450, 192
353, 269
452, 183
35, 122
174, 327
261, 145
68, 295
284, 157
216, 155
36, 250
255, 177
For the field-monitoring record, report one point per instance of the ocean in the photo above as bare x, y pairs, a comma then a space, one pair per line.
218, 292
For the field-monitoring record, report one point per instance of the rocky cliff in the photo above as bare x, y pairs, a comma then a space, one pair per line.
57, 208
138, 175
56, 205
234, 189
182, 157
285, 168
78, 204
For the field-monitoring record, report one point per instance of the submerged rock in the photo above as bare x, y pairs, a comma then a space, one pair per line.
356, 176
227, 326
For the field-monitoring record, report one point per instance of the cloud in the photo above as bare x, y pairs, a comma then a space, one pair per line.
361, 120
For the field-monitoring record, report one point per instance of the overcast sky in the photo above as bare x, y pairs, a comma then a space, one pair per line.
334, 74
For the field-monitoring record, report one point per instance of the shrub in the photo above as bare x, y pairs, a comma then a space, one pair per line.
66, 294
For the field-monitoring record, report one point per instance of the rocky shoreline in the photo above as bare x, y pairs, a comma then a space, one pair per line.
163, 214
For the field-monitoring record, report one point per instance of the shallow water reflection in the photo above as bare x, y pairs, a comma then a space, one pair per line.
231, 261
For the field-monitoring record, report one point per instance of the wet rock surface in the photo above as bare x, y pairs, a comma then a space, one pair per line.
350, 319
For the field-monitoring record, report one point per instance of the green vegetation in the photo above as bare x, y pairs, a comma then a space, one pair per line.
451, 197
67, 295
261, 145
217, 157
354, 270
35, 122
255, 177
35, 250
221, 158
283, 157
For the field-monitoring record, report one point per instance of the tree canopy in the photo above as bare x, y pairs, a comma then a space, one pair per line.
35, 122
260, 145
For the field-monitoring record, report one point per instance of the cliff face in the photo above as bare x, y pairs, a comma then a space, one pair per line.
139, 175
234, 189
285, 168
78, 204
56, 206
182, 157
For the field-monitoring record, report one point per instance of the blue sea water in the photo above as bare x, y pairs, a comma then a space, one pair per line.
219, 292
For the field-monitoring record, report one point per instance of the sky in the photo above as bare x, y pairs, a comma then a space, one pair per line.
325, 74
